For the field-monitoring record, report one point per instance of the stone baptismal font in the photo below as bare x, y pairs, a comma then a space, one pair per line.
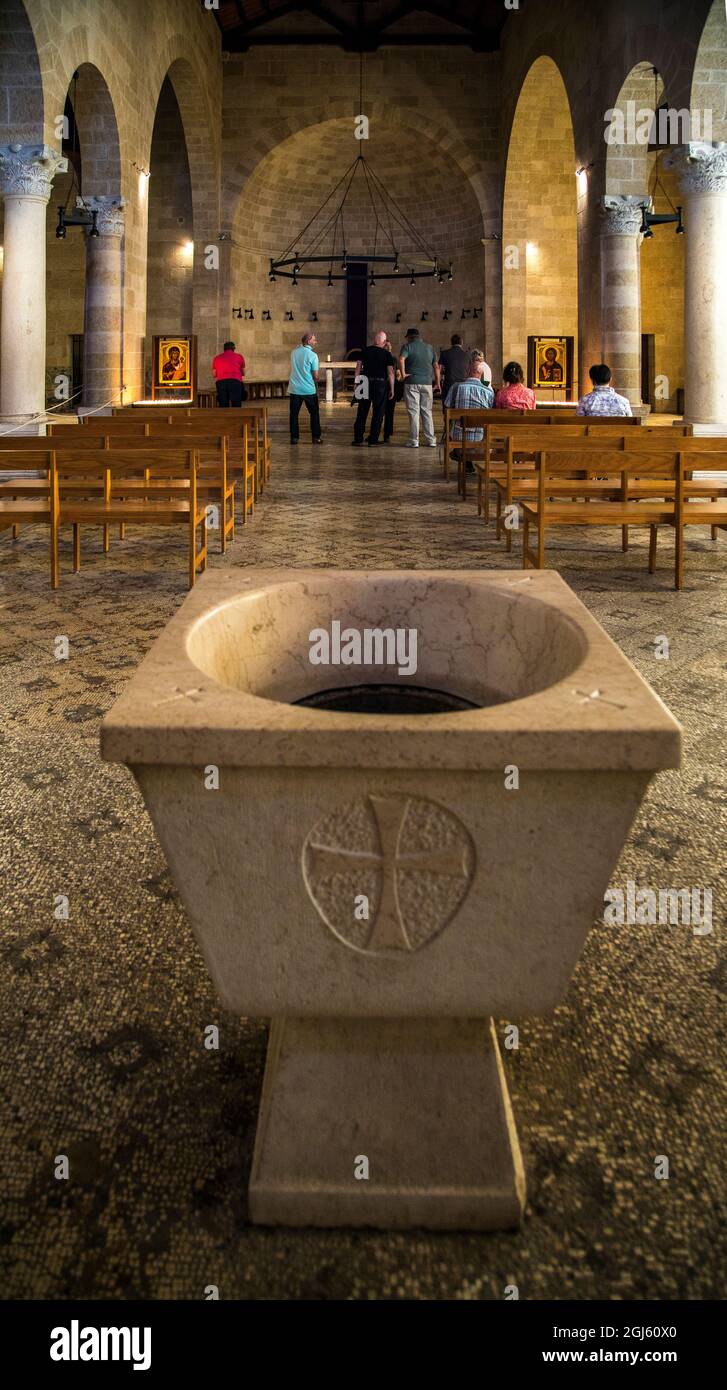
391, 803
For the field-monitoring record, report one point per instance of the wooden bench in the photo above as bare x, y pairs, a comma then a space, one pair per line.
254, 416
92, 487
514, 476
652, 492
240, 462
215, 482
469, 450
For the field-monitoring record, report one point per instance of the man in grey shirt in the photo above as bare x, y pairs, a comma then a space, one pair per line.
418, 363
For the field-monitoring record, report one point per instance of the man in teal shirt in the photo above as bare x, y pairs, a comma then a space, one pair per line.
418, 364
303, 387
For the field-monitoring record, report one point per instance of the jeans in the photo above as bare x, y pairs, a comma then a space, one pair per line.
419, 399
378, 396
311, 404
230, 391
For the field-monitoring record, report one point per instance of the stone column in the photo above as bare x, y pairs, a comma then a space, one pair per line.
103, 317
703, 175
621, 292
26, 175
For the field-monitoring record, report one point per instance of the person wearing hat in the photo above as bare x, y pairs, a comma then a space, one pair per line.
418, 364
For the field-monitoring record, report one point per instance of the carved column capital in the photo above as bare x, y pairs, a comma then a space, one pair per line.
109, 210
701, 167
621, 215
27, 171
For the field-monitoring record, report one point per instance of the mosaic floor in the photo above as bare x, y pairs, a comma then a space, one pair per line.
103, 1014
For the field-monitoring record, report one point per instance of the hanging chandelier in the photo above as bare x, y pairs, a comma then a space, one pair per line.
320, 250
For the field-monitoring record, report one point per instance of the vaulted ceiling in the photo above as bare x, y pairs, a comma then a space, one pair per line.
361, 25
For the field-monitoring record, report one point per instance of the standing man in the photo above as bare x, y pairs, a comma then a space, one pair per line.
303, 387
228, 369
453, 364
375, 373
418, 362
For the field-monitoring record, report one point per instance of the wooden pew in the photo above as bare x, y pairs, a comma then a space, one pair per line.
213, 482
469, 451
94, 490
653, 492
514, 477
240, 464
37, 506
254, 413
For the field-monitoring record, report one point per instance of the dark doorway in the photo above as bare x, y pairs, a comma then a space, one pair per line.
648, 369
356, 305
76, 367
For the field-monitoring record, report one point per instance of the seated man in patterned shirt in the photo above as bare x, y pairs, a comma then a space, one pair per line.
473, 392
602, 400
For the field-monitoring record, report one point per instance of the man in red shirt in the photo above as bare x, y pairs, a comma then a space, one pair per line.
228, 369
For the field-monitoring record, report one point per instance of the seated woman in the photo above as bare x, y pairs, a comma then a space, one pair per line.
514, 395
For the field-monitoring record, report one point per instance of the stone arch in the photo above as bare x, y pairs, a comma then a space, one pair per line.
628, 161
709, 79
539, 229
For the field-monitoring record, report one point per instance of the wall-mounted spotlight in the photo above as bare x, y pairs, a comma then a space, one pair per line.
249, 314
314, 316
237, 313
81, 217
289, 315
656, 219
266, 315
425, 315
447, 314
140, 170
397, 319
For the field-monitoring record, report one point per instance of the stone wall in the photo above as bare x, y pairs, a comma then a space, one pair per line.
662, 293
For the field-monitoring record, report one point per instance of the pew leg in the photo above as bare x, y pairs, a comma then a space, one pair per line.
498, 516
714, 530
624, 537
76, 547
106, 546
479, 493
122, 530
16, 530
653, 531
679, 559
526, 540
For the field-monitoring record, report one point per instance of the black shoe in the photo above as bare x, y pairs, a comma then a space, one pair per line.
372, 443
319, 440
294, 441
357, 443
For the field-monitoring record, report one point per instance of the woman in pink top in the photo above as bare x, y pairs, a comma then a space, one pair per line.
514, 395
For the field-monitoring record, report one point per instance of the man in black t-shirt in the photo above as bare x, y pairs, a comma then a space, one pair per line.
453, 362
374, 386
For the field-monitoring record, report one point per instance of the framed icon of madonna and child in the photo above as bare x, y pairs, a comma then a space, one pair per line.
174, 366
550, 364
